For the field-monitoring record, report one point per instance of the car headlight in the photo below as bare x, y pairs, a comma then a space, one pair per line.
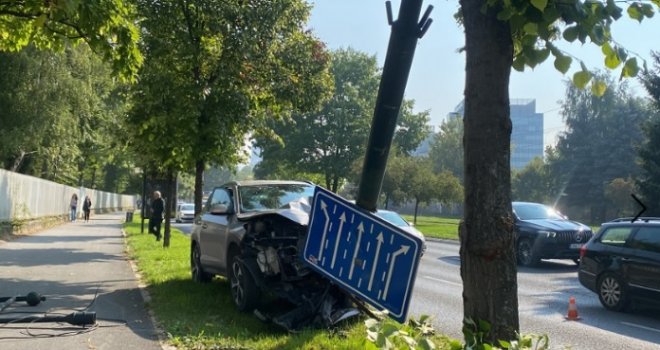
548, 234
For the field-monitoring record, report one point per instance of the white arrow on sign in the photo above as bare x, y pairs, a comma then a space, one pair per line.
373, 269
404, 249
324, 207
360, 229
342, 220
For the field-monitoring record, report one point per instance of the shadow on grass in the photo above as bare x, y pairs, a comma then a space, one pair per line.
204, 315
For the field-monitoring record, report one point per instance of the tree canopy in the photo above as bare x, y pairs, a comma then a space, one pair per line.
108, 26
330, 141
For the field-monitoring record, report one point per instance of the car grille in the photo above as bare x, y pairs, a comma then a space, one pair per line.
572, 236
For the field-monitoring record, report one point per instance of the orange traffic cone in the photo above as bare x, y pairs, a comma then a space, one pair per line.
572, 314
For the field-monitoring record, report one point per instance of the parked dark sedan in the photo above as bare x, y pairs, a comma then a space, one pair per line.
622, 263
543, 233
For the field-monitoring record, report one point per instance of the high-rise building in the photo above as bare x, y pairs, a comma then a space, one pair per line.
527, 133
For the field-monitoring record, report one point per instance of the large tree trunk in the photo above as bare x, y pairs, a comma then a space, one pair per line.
488, 263
169, 203
199, 183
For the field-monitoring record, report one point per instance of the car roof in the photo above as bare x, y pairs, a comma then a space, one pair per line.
265, 182
627, 221
535, 203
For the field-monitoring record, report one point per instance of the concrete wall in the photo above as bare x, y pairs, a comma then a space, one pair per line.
25, 197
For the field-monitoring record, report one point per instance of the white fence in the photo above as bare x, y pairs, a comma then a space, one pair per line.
26, 197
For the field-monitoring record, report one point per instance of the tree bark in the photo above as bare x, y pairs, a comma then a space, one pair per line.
199, 183
488, 263
416, 208
169, 202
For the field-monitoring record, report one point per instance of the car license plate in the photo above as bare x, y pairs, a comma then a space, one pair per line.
575, 246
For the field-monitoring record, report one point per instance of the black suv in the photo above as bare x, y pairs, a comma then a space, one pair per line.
543, 233
622, 263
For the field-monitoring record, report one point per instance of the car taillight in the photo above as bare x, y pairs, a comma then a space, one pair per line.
583, 250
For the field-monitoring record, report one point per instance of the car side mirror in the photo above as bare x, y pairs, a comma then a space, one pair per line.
220, 209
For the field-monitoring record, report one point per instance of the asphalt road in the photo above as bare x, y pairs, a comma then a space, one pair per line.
543, 295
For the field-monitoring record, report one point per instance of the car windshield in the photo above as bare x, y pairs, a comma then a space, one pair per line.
273, 196
533, 211
392, 217
187, 207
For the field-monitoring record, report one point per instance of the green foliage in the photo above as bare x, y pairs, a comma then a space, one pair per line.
60, 117
446, 151
649, 151
216, 71
537, 24
108, 26
612, 125
476, 335
534, 183
329, 142
413, 179
387, 334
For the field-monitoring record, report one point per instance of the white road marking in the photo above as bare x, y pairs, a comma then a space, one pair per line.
642, 327
445, 281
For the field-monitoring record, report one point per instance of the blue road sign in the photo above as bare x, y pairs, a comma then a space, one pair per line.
363, 253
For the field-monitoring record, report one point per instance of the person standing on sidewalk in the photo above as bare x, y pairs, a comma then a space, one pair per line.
87, 207
74, 207
157, 208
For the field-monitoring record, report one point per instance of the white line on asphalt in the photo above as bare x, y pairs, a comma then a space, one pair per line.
640, 326
441, 280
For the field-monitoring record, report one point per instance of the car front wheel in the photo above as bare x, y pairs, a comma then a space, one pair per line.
244, 290
525, 253
612, 292
196, 269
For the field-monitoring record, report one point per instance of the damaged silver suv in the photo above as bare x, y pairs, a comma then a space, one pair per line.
252, 232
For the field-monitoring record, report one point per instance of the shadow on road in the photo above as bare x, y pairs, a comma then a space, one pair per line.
114, 307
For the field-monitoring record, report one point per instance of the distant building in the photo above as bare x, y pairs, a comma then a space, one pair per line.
527, 133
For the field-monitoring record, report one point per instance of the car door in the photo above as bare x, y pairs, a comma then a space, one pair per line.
643, 264
214, 231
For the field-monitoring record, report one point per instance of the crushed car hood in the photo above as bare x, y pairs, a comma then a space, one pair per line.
297, 212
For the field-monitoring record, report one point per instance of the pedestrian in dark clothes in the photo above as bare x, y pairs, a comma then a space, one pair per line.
157, 208
87, 207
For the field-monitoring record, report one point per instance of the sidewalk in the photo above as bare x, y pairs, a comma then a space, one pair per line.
76, 266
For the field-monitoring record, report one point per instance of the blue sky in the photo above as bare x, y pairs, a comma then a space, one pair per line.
438, 73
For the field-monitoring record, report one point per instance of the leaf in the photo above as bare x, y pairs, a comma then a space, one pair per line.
531, 28
370, 323
606, 49
540, 4
519, 63
598, 88
647, 10
505, 14
630, 69
39, 22
612, 61
634, 13
613, 10
581, 79
389, 329
571, 33
563, 63
427, 344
